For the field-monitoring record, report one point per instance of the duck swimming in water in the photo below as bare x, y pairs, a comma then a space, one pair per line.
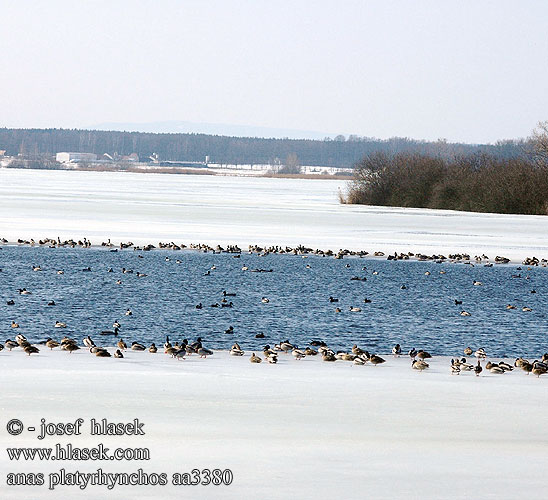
110, 332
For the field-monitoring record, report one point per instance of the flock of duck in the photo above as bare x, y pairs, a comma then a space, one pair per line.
278, 249
355, 355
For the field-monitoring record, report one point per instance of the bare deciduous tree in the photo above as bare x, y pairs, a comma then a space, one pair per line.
540, 143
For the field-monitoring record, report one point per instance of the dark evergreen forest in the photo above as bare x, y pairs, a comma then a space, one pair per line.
338, 152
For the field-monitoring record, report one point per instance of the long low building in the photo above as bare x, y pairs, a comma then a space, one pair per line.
75, 157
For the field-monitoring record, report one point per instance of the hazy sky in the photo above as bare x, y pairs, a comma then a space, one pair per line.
463, 70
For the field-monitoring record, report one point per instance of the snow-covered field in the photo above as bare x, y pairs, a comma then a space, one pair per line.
147, 208
298, 429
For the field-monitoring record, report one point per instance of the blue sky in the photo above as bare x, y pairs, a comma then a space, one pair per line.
473, 71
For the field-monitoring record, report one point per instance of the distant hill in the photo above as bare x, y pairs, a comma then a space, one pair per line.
184, 127
337, 152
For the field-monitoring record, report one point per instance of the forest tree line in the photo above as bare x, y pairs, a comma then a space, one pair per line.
339, 152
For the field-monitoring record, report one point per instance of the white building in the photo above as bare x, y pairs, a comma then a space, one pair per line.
75, 157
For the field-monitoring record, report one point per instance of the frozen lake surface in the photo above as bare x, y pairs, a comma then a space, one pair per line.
147, 208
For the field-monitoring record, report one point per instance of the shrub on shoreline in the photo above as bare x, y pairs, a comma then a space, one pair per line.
477, 183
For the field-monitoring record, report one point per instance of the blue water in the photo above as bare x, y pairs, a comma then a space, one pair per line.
163, 303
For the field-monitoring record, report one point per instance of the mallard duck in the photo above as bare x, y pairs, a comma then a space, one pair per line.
298, 354
423, 354
110, 332
118, 354
103, 353
88, 342
255, 359
10, 344
70, 347
495, 369
505, 366
455, 368
468, 351
20, 338
464, 366
376, 360
396, 350
31, 349
153, 349
310, 352
136, 346
478, 369
328, 356
356, 350
51, 344
121, 344
236, 351
480, 353
203, 352
286, 346
420, 365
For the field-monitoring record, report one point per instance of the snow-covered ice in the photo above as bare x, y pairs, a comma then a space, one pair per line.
147, 208
299, 429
